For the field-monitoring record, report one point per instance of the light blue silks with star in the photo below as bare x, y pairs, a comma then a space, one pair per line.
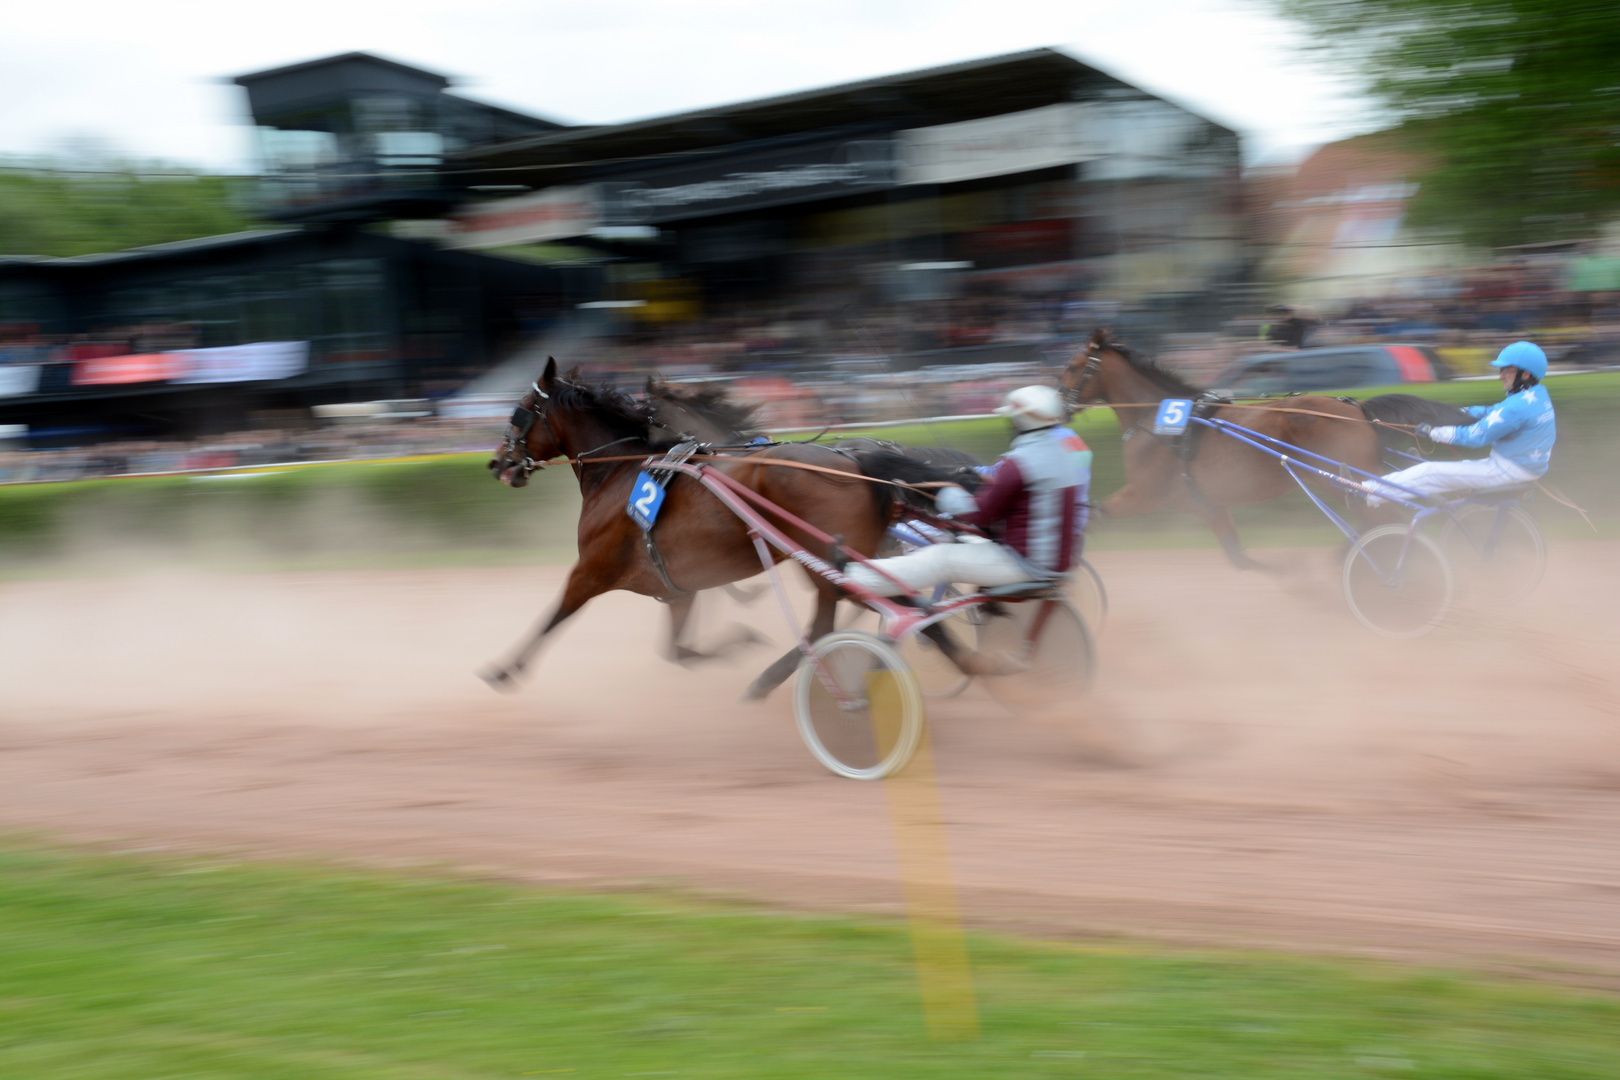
1520, 428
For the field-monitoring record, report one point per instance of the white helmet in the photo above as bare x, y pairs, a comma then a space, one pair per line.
1033, 407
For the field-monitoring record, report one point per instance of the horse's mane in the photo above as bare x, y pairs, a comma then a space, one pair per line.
1162, 377
625, 416
710, 402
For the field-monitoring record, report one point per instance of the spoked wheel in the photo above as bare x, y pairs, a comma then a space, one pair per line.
937, 677
1498, 551
1398, 584
858, 706
1088, 595
1044, 649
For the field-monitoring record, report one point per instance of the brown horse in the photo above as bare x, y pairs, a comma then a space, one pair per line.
702, 544
1205, 473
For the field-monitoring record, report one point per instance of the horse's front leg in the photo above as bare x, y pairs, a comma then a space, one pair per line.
1130, 500
1150, 472
821, 624
1219, 520
583, 584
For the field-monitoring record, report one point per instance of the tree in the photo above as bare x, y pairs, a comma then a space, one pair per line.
60, 213
1517, 100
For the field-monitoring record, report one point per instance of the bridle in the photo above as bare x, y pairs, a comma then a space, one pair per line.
517, 434
1075, 397
515, 446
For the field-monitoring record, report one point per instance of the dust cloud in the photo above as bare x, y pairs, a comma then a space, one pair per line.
1251, 766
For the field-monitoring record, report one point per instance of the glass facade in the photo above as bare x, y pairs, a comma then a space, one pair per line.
339, 306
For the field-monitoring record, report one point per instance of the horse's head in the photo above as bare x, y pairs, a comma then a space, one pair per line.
1106, 370
531, 435
1081, 379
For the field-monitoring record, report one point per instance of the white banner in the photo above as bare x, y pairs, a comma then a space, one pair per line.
18, 379
997, 145
243, 363
554, 214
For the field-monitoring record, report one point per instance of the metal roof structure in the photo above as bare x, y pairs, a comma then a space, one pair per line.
179, 247
366, 58
939, 95
152, 252
281, 88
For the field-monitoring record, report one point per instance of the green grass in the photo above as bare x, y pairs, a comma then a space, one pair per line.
136, 968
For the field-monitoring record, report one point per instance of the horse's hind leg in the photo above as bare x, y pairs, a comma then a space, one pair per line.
582, 585
744, 596
680, 611
820, 625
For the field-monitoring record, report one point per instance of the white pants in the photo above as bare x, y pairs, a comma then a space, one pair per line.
1434, 477
973, 561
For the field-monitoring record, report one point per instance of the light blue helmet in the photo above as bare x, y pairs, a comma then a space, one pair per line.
1524, 356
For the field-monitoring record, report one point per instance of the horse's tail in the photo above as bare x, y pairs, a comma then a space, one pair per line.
905, 468
1410, 409
944, 457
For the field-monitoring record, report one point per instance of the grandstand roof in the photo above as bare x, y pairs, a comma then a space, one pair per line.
938, 95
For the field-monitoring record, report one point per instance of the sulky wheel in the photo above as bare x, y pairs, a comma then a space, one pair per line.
1497, 551
1398, 583
1088, 595
1042, 648
858, 706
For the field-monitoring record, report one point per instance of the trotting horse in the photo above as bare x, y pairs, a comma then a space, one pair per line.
702, 544
1204, 475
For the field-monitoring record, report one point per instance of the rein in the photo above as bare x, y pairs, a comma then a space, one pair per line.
1314, 412
1563, 500
582, 460
1077, 402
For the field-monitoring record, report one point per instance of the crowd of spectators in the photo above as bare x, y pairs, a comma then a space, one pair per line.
861, 393
779, 335
23, 343
340, 441
810, 364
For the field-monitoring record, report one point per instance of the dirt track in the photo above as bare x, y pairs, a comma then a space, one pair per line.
1253, 767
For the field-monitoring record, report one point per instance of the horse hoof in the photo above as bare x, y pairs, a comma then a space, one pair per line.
1241, 561
499, 679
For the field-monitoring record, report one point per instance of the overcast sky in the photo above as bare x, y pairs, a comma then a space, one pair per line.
145, 75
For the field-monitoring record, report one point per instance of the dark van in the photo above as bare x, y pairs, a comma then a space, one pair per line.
1339, 367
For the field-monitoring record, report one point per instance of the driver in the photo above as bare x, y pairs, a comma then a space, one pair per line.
1032, 503
1520, 430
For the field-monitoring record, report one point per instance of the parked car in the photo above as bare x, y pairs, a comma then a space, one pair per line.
1341, 367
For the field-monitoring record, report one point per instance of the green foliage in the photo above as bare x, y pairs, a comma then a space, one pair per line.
123, 967
62, 214
1519, 99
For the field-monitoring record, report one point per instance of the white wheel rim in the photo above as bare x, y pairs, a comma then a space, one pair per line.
1447, 577
910, 704
1526, 523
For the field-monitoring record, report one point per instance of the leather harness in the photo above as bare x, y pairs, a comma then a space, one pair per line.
661, 474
